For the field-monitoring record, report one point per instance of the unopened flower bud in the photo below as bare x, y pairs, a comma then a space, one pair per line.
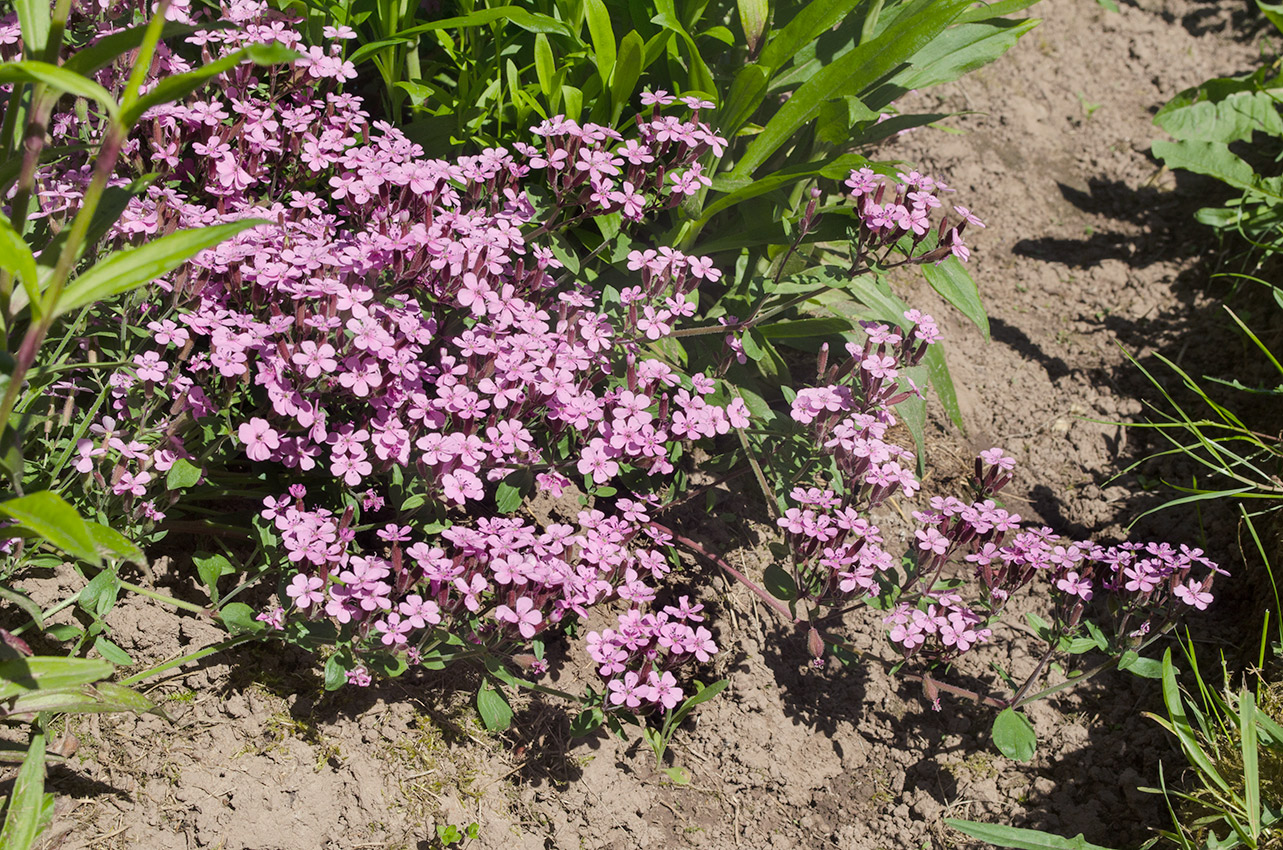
815, 644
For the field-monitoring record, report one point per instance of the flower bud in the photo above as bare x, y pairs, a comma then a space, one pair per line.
815, 644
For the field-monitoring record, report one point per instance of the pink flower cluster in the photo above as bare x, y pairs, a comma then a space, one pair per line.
637, 658
889, 212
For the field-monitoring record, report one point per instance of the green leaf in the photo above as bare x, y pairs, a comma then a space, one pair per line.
49, 516
112, 652
753, 16
178, 86
1146, 668
211, 568
942, 382
1273, 13
335, 671
951, 279
603, 37
955, 52
512, 490
852, 73
747, 92
23, 675
1021, 839
16, 258
239, 620
1180, 727
529, 21
586, 722
25, 602
1213, 159
1014, 735
805, 328
1225, 109
493, 708
129, 268
33, 20
815, 19
1251, 767
25, 818
98, 596
182, 474
60, 79
628, 68
545, 66
779, 583
112, 544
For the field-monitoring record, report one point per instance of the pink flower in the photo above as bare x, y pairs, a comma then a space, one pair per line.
259, 439
526, 617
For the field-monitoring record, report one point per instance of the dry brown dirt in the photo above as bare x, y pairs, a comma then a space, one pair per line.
1090, 253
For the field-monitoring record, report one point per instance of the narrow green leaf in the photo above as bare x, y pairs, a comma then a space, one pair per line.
33, 20
130, 268
942, 382
957, 51
22, 675
628, 68
24, 820
60, 79
1014, 735
109, 48
528, 21
815, 19
85, 699
603, 37
951, 279
852, 73
1000, 835
1180, 727
747, 92
1251, 769
1273, 13
16, 258
493, 708
24, 602
49, 516
753, 16
545, 66
989, 11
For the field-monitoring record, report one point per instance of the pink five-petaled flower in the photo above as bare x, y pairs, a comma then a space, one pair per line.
315, 359
306, 590
662, 689
135, 484
526, 618
1192, 593
1076, 586
259, 439
629, 691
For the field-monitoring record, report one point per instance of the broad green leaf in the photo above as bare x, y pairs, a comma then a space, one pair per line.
743, 187
60, 79
1146, 668
178, 86
1273, 13
335, 672
47, 515
913, 413
1014, 735
493, 708
779, 583
545, 66
16, 258
130, 268
603, 37
586, 722
182, 474
511, 491
838, 116
33, 21
1213, 159
25, 818
85, 699
854, 72
1000, 835
951, 279
112, 544
815, 19
211, 568
753, 16
1226, 109
804, 328
23, 675
628, 68
98, 596
239, 619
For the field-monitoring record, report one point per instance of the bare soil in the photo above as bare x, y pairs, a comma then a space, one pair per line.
1090, 254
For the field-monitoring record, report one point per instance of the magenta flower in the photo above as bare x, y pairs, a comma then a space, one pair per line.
526, 617
259, 438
